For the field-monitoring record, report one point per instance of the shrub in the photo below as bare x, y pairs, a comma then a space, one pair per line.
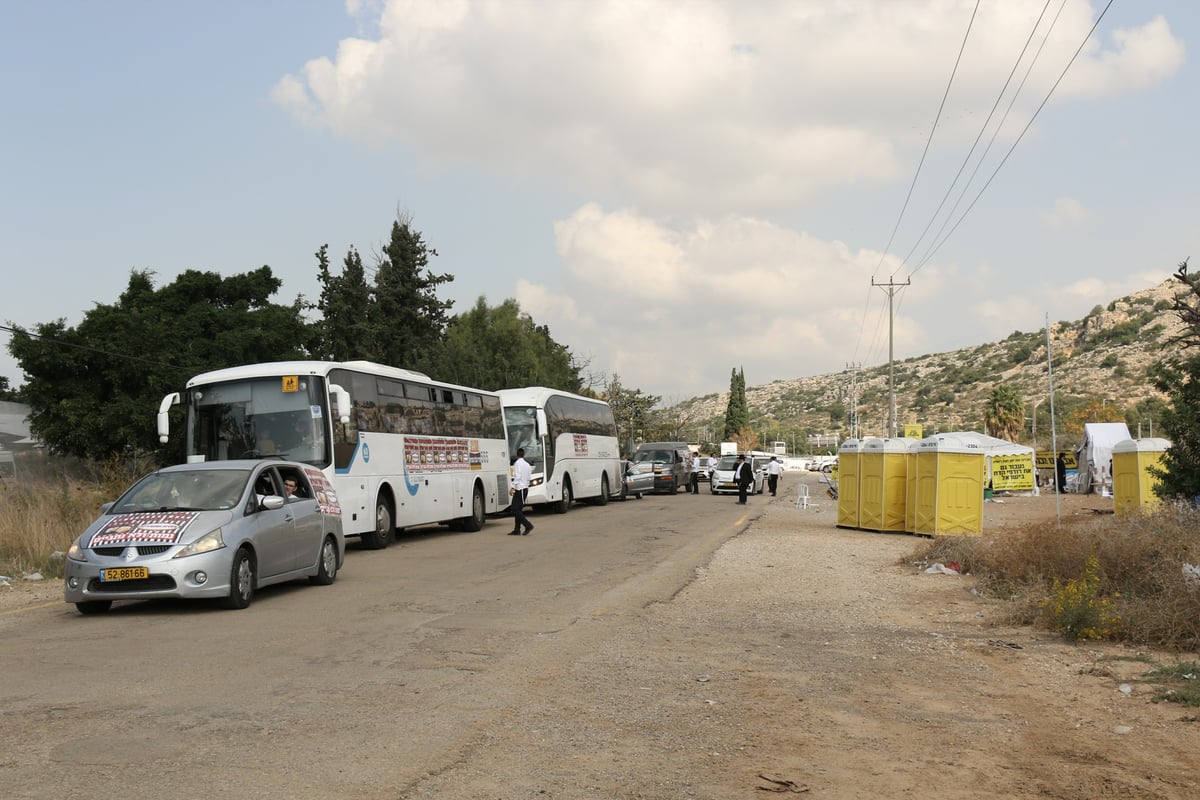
1077, 609
1126, 569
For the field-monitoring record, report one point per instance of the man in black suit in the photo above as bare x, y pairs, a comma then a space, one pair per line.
744, 475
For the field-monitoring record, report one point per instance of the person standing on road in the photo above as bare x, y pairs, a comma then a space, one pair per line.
522, 472
696, 473
774, 470
744, 475
1060, 474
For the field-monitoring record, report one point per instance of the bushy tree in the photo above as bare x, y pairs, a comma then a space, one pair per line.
737, 412
93, 390
631, 409
7, 393
1004, 414
501, 348
1179, 378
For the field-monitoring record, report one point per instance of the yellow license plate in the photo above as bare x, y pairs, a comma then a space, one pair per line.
125, 574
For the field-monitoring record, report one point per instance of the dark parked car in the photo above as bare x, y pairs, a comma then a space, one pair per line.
671, 463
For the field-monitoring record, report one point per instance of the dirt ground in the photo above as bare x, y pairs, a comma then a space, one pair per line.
805, 659
809, 660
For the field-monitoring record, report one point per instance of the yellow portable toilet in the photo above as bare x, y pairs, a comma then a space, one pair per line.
883, 471
950, 483
1133, 485
847, 487
910, 485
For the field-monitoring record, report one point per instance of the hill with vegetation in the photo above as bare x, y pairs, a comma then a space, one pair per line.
1102, 372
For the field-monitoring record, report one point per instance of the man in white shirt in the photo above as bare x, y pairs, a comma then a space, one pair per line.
695, 474
774, 470
522, 472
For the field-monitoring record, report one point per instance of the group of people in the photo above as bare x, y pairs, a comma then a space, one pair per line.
522, 472
743, 473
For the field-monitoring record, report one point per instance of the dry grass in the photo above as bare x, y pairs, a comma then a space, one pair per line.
1140, 569
49, 503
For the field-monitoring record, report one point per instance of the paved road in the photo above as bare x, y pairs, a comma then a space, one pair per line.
357, 689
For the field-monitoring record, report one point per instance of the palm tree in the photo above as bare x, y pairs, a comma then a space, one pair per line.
1005, 415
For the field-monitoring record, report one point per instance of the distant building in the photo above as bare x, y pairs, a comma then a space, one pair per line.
14, 427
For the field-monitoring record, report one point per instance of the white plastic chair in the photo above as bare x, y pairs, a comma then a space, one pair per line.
802, 497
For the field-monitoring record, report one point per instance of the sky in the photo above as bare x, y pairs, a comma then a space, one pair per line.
676, 189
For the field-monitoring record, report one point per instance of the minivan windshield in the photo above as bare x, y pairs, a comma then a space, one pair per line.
653, 455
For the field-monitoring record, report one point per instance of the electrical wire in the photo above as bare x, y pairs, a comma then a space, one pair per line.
109, 353
983, 128
928, 142
1020, 136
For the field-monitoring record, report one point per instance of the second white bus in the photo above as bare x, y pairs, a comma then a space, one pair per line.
570, 441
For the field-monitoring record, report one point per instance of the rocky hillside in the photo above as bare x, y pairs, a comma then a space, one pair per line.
1101, 368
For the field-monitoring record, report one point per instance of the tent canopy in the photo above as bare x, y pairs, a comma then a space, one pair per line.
1095, 454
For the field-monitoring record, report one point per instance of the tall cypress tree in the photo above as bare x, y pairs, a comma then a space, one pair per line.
343, 332
407, 319
737, 412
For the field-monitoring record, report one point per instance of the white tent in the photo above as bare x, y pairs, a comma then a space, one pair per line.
1095, 455
1014, 463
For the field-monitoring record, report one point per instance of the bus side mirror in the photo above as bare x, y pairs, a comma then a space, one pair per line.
164, 422
342, 401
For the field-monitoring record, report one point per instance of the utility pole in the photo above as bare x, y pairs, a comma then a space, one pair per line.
890, 287
853, 369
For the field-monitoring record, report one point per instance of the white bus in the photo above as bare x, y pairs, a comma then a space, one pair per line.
399, 448
570, 441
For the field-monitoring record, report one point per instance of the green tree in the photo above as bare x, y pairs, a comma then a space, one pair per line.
502, 347
7, 393
406, 318
343, 332
1004, 414
1179, 378
632, 410
737, 412
93, 390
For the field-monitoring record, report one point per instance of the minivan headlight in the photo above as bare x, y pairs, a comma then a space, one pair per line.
205, 544
75, 553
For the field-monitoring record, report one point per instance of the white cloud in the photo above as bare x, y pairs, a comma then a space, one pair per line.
1141, 57
1067, 211
693, 107
696, 139
744, 292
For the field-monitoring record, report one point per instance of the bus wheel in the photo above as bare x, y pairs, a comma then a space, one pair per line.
563, 505
602, 500
381, 537
476, 520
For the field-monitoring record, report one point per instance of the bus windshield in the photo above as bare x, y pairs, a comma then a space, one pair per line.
521, 422
260, 417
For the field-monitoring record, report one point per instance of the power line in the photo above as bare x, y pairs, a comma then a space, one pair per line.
983, 128
1020, 136
86, 348
929, 140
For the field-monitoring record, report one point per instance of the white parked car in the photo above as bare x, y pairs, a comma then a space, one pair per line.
721, 480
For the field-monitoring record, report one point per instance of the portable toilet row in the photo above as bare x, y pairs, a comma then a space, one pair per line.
1133, 484
932, 486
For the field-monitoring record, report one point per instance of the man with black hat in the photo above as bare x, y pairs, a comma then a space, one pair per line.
744, 475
